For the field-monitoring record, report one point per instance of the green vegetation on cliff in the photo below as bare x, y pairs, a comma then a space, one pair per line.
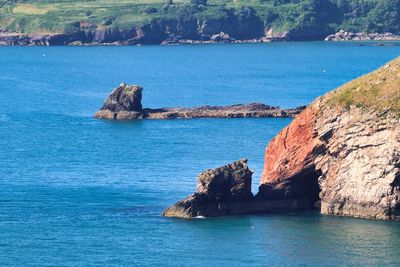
303, 19
378, 90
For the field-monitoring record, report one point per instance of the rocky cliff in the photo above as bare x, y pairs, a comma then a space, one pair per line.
340, 155
343, 149
124, 103
169, 31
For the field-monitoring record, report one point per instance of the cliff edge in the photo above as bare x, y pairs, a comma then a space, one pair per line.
340, 155
344, 149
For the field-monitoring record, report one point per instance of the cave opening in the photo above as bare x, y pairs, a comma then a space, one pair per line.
306, 186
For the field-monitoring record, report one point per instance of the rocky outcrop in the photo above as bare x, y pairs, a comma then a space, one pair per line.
252, 110
340, 155
227, 191
343, 149
217, 189
124, 103
362, 36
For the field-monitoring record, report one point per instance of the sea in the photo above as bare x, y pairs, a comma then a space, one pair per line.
79, 191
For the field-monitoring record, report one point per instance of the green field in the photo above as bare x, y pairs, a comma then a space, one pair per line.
302, 16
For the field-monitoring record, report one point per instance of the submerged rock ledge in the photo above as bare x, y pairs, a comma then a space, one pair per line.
124, 103
340, 155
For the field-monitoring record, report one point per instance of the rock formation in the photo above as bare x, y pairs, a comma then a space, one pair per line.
124, 103
362, 36
340, 155
346, 145
227, 191
216, 190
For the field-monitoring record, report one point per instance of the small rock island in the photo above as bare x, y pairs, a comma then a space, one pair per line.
124, 103
340, 155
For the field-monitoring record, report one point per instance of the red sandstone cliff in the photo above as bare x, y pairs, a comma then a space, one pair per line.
344, 149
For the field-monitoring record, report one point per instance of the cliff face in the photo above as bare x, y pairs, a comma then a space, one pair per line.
289, 160
343, 149
166, 31
360, 169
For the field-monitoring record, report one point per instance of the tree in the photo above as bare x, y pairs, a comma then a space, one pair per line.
385, 17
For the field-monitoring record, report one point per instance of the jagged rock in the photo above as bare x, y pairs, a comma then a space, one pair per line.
227, 191
220, 37
217, 189
346, 145
230, 182
124, 102
362, 36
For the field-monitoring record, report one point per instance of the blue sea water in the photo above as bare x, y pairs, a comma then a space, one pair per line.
76, 191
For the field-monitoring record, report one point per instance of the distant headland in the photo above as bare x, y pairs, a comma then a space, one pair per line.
78, 22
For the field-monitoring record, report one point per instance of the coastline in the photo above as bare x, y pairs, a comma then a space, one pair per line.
104, 38
82, 39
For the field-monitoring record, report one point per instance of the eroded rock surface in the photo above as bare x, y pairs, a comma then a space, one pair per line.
217, 189
346, 145
124, 103
227, 191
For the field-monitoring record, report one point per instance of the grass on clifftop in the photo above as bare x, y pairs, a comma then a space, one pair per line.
378, 90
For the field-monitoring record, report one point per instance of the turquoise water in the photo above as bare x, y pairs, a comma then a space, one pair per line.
76, 191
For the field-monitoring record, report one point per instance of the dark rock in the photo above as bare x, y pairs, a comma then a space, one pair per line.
124, 102
216, 190
230, 182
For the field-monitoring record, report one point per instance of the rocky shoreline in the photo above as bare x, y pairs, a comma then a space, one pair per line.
124, 103
362, 36
340, 155
115, 37
108, 37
